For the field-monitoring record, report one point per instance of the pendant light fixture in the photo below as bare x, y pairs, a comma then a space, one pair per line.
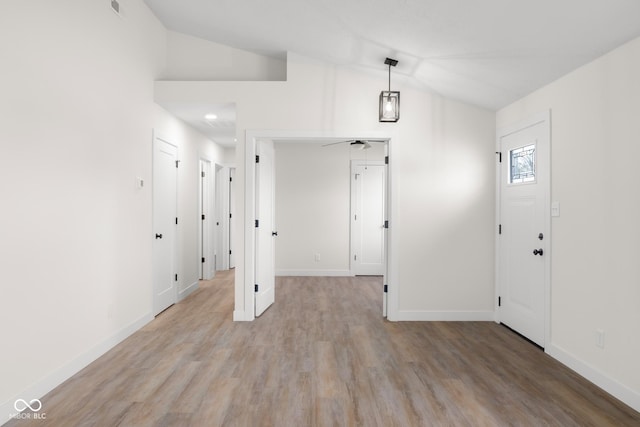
390, 101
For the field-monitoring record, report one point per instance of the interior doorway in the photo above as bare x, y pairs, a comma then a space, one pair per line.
251, 256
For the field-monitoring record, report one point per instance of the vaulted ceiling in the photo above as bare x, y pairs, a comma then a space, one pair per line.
487, 53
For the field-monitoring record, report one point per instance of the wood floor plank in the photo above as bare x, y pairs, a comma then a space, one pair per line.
322, 355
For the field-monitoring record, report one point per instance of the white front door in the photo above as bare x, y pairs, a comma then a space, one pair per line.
165, 177
368, 187
265, 227
524, 238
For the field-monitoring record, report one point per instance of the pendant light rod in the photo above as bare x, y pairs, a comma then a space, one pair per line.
391, 63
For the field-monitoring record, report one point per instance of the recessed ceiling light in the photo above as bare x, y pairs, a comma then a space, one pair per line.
210, 116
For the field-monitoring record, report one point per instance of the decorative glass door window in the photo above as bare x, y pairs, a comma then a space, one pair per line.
522, 164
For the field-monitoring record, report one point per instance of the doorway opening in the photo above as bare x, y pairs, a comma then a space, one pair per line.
315, 260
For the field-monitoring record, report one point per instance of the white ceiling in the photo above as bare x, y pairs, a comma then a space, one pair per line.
487, 53
222, 129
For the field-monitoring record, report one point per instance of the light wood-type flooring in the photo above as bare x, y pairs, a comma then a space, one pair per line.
323, 356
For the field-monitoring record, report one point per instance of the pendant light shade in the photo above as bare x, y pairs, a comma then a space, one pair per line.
389, 100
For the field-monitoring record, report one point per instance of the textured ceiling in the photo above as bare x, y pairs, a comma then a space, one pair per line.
487, 53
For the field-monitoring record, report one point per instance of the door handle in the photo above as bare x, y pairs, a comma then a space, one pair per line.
537, 252
274, 233
158, 236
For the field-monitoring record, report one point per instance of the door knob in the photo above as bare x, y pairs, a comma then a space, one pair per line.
274, 233
537, 251
158, 236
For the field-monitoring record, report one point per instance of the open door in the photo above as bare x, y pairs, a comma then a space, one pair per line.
265, 228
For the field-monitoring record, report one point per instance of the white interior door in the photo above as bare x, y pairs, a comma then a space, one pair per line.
207, 270
524, 229
265, 227
165, 176
368, 188
232, 205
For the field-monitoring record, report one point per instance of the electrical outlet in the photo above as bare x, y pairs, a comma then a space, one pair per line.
599, 338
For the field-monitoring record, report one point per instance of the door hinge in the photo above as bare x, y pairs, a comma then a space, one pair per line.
499, 301
499, 228
230, 179
176, 277
202, 174
386, 224
229, 251
257, 223
499, 153
256, 287
177, 161
230, 215
355, 257
257, 159
203, 217
202, 259
176, 220
386, 160
386, 288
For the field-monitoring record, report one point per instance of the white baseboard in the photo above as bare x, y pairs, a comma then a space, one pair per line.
613, 387
187, 291
443, 316
240, 316
60, 375
318, 273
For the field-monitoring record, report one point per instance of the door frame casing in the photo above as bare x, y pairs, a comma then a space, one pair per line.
543, 118
244, 286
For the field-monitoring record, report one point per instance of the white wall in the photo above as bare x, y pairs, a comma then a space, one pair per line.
192, 58
595, 273
76, 121
442, 172
312, 206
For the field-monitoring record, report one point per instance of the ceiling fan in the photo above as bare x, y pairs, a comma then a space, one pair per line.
364, 144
